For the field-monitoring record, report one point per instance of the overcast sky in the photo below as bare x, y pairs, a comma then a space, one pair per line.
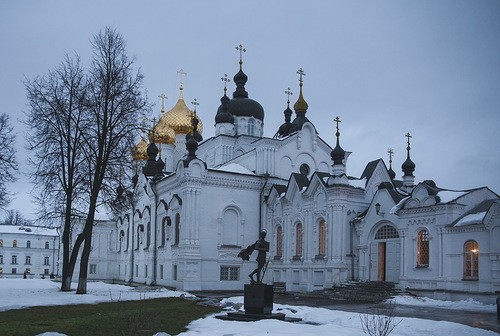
431, 68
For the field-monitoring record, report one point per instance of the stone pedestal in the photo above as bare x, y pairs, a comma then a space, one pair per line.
258, 304
258, 299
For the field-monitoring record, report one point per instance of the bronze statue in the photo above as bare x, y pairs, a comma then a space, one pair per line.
262, 246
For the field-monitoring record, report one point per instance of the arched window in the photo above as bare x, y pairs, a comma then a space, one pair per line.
14, 243
28, 244
423, 248
230, 228
471, 260
177, 228
387, 232
298, 240
322, 238
279, 241
251, 126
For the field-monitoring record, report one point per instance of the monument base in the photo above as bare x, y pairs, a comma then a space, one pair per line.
258, 304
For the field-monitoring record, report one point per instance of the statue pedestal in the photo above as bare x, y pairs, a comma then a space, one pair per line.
258, 299
258, 304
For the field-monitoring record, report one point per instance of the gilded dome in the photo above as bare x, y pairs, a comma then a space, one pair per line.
179, 118
139, 152
162, 133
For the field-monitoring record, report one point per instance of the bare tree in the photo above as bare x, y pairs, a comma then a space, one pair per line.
14, 217
379, 323
55, 121
8, 162
114, 103
82, 129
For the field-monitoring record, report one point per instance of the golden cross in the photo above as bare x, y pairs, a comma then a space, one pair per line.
181, 73
163, 97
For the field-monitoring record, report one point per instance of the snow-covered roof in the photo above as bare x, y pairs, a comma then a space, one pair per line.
28, 230
235, 168
447, 196
476, 218
358, 183
398, 206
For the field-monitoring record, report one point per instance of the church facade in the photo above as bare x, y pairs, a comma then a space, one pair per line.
197, 203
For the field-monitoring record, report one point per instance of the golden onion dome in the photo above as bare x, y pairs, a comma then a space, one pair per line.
139, 152
179, 118
162, 133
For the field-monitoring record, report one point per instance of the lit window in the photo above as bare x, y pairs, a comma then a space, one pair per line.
423, 248
229, 273
322, 238
279, 241
471, 260
298, 240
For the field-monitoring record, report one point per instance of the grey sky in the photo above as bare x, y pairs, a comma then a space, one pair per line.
431, 68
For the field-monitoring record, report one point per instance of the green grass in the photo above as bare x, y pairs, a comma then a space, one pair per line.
144, 317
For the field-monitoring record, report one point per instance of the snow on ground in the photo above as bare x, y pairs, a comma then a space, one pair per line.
469, 304
20, 293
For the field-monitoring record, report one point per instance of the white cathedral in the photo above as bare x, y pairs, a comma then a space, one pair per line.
197, 203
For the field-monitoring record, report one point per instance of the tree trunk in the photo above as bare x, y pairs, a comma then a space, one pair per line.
84, 264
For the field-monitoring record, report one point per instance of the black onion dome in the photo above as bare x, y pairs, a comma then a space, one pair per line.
392, 173
224, 116
152, 150
408, 166
287, 127
241, 105
338, 154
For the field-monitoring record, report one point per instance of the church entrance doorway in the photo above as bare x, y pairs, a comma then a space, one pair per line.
385, 253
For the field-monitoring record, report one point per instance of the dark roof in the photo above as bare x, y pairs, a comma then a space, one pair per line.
481, 207
369, 169
322, 176
301, 180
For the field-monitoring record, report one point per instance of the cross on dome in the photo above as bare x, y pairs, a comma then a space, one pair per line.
241, 50
289, 93
225, 80
195, 103
163, 97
